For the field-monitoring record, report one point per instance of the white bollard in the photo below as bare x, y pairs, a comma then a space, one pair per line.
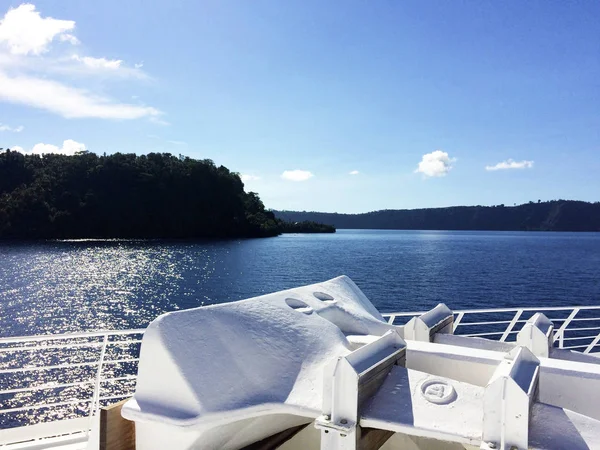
351, 380
507, 401
537, 335
424, 327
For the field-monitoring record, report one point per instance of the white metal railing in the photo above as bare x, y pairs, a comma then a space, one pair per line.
576, 327
70, 376
67, 376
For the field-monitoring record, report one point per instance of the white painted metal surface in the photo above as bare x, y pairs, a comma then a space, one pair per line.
507, 401
45, 378
418, 404
205, 372
425, 326
537, 335
578, 326
351, 380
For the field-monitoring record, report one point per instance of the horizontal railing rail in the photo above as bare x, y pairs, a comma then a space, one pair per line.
55, 377
576, 327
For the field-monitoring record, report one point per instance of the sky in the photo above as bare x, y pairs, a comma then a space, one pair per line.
338, 106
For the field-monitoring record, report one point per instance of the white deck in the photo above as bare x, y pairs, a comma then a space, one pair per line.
400, 407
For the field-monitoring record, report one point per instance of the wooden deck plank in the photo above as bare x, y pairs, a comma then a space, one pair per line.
116, 432
272, 442
373, 439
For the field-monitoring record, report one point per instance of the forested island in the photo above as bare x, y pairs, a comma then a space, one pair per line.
306, 226
164, 196
129, 196
556, 215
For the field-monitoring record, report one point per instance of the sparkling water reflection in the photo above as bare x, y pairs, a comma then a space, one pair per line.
64, 286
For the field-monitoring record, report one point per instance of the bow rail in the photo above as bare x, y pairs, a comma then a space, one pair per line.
50, 378
576, 327
71, 376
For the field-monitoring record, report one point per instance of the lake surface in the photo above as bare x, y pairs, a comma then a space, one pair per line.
65, 286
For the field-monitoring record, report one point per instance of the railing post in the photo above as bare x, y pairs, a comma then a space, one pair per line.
592, 344
560, 334
96, 399
391, 319
457, 321
511, 325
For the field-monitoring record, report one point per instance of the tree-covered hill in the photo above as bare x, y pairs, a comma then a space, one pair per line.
557, 215
126, 196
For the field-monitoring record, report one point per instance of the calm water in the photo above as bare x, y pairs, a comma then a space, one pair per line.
73, 286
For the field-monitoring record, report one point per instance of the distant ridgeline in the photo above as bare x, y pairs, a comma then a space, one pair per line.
129, 196
557, 215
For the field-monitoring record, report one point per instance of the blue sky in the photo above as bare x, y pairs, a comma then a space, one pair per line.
416, 99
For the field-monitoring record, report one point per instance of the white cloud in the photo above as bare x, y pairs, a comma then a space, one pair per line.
177, 142
27, 78
247, 177
69, 148
75, 66
296, 175
67, 101
82, 66
435, 164
98, 63
4, 127
159, 121
24, 31
354, 172
66, 37
511, 164
138, 65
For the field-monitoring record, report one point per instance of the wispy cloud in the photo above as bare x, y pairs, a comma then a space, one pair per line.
435, 164
73, 67
354, 172
247, 177
296, 175
4, 127
166, 141
98, 63
158, 121
47, 82
510, 164
67, 101
69, 148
